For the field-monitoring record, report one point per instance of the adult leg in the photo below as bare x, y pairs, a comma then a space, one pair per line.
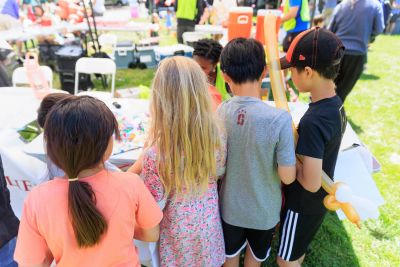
4, 79
350, 71
288, 40
180, 30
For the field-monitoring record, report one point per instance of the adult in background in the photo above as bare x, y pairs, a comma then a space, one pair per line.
9, 15
355, 22
9, 224
329, 6
395, 15
188, 13
98, 8
295, 19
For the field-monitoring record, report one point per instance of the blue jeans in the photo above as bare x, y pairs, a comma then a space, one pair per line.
7, 254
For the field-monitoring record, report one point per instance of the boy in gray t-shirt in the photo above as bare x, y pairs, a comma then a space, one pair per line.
260, 156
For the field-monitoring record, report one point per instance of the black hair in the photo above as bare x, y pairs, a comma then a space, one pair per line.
208, 49
328, 72
243, 60
47, 103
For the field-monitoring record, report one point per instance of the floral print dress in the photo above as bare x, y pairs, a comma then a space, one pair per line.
191, 231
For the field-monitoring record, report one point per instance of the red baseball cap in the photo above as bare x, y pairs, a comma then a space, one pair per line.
314, 48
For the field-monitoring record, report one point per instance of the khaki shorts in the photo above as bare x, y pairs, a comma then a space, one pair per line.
7, 22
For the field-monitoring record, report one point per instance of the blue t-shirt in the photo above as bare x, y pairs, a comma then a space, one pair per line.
355, 23
300, 25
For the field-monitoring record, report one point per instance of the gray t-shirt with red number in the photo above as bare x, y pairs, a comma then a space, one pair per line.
259, 137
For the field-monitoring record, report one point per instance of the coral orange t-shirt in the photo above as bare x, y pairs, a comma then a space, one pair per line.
215, 95
46, 232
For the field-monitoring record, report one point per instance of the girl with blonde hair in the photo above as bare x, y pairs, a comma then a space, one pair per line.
181, 164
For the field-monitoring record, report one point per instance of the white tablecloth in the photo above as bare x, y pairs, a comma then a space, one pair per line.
18, 107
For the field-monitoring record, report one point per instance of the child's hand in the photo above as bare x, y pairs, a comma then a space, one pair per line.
137, 166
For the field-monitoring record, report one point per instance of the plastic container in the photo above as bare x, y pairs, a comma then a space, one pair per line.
67, 56
240, 22
134, 6
260, 22
146, 55
36, 76
124, 54
173, 50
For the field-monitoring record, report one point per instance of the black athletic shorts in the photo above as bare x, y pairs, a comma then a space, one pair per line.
296, 233
236, 239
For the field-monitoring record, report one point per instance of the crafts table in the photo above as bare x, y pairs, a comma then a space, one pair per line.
23, 162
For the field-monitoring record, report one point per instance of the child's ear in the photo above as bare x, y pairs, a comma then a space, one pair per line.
264, 73
309, 72
226, 78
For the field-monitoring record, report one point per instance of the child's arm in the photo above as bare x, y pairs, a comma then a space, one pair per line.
148, 215
287, 174
137, 166
285, 151
147, 235
309, 173
311, 146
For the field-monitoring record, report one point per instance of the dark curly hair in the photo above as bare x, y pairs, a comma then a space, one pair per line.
209, 49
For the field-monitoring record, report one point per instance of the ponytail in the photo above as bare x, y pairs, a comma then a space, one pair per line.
77, 132
88, 223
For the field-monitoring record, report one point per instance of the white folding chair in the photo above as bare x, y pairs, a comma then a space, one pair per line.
89, 65
108, 40
20, 76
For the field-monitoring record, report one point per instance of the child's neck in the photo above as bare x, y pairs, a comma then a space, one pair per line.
322, 89
247, 89
92, 171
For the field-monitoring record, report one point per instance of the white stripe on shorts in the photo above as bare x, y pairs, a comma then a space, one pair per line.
283, 234
288, 233
292, 237
289, 230
257, 259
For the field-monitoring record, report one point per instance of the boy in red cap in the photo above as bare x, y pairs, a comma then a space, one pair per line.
314, 59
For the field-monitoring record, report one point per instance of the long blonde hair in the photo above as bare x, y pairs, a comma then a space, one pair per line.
183, 127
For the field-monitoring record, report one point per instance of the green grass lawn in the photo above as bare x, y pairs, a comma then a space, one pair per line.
374, 112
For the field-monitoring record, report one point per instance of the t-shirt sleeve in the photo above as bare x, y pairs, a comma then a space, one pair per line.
31, 248
221, 154
294, 3
148, 214
221, 111
285, 148
311, 140
150, 176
